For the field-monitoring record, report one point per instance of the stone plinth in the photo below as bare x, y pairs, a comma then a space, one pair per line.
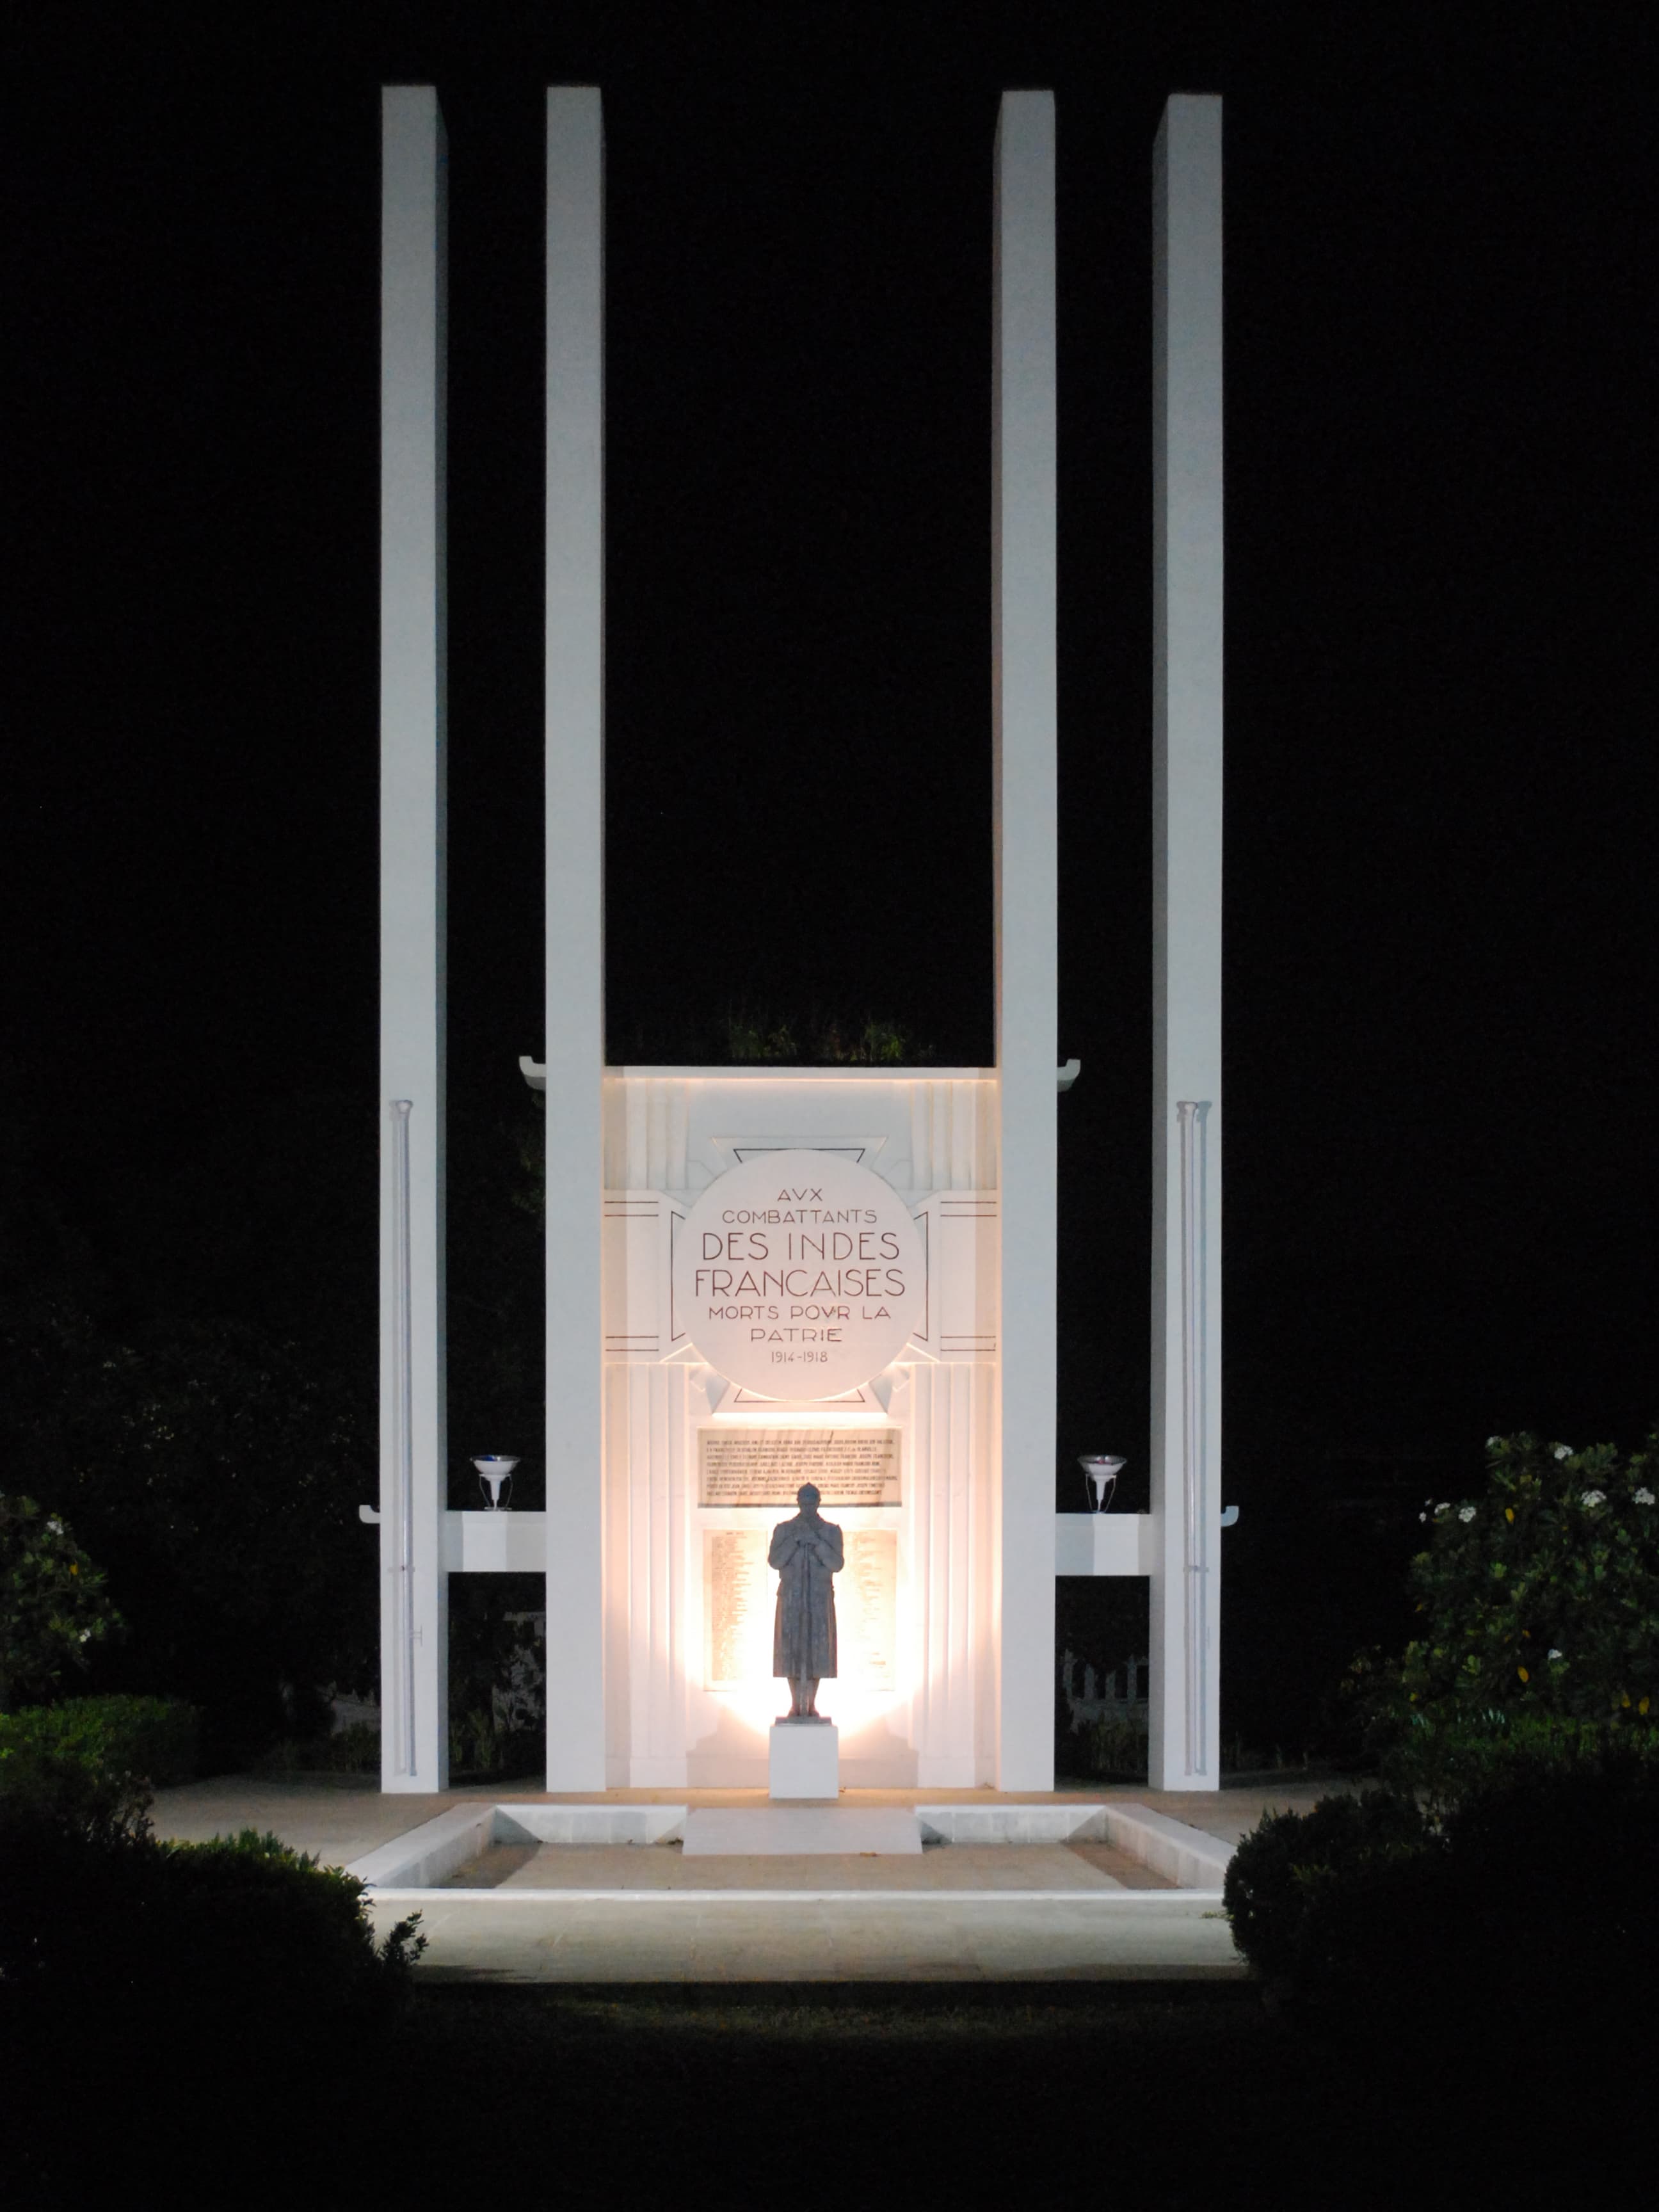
805, 1759
803, 1830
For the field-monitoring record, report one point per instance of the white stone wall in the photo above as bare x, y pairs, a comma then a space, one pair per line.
667, 1135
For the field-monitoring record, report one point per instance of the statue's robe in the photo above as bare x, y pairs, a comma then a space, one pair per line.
805, 1553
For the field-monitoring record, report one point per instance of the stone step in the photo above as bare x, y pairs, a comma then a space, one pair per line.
772, 1829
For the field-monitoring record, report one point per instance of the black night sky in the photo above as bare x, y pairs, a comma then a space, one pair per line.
1443, 640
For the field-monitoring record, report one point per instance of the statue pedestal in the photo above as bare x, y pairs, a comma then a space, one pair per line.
805, 1759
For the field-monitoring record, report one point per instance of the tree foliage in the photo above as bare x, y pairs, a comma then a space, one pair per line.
54, 1605
1537, 1604
817, 1038
218, 1475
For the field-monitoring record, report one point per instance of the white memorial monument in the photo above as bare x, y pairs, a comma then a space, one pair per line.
759, 1278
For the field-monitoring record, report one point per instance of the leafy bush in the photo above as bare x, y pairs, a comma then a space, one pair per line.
152, 1739
1281, 1878
53, 1605
1117, 1747
239, 1944
61, 1792
241, 1936
85, 1769
1539, 1611
352, 1750
262, 1929
496, 1678
1530, 1895
1445, 1757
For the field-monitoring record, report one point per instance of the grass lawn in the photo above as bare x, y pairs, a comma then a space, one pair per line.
841, 2096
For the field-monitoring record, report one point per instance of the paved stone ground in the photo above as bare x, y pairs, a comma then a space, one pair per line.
1087, 1868
1111, 1936
663, 1921
339, 1822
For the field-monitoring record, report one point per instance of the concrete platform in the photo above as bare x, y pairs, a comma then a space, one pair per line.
431, 1853
1121, 1935
797, 1830
596, 1889
1047, 1870
338, 1821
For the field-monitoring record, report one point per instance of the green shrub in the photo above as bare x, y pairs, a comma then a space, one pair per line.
352, 1750
496, 1676
1531, 1895
1280, 1879
53, 1605
86, 1767
1444, 1756
154, 1739
259, 1928
481, 1747
241, 1936
1117, 1748
64, 1794
239, 1945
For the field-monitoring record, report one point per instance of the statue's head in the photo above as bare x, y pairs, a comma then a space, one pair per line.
807, 1497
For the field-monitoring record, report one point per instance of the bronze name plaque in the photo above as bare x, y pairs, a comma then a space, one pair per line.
766, 1466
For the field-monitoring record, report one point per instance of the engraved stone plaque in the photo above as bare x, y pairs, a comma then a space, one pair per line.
799, 1275
739, 1591
766, 1466
866, 1607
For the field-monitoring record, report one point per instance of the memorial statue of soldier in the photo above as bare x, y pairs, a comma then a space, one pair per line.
806, 1552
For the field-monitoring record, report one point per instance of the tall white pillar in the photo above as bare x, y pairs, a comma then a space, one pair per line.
414, 1587
575, 935
1024, 816
1187, 767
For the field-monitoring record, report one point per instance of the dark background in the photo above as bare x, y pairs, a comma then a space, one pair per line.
1441, 933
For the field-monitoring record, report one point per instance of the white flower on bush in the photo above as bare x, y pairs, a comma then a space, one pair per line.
84, 1636
1493, 1442
1644, 1496
1466, 1512
1442, 1509
1564, 1451
1553, 1652
1592, 1498
56, 1527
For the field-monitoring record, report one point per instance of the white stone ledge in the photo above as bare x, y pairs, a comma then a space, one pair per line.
427, 1854
1105, 1544
414, 1864
507, 1543
589, 1824
1187, 1855
1012, 1824
1197, 1901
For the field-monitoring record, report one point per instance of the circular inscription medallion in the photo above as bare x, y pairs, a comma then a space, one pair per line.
798, 1274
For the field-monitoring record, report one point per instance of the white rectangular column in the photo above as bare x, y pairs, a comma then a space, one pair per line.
414, 1585
1024, 816
575, 936
1187, 763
